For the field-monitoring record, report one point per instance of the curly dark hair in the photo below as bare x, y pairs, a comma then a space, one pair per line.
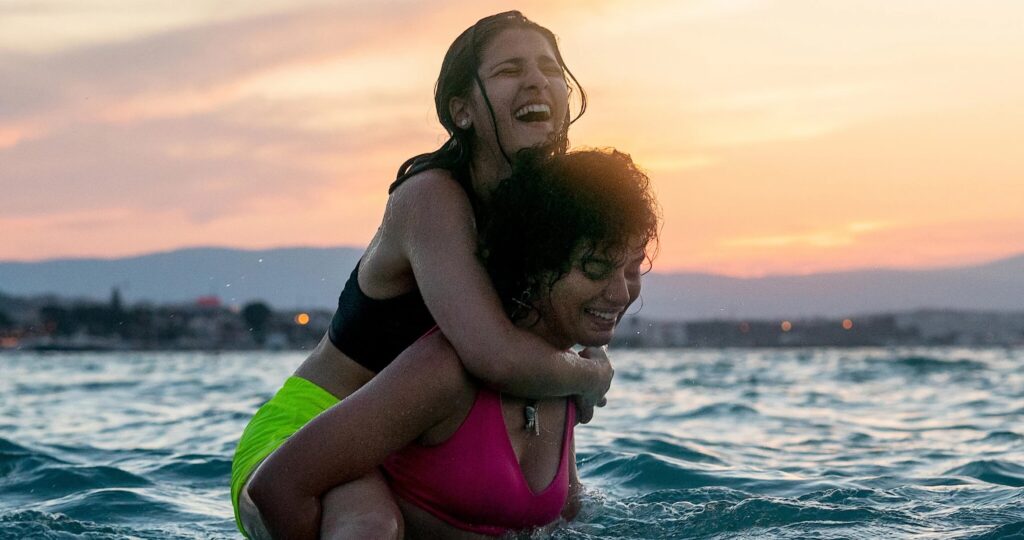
552, 207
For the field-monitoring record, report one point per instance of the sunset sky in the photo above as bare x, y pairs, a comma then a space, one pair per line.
784, 136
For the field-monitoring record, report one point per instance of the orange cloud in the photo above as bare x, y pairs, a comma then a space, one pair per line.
830, 238
780, 137
10, 137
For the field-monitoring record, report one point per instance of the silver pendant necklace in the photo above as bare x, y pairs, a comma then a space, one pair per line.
532, 420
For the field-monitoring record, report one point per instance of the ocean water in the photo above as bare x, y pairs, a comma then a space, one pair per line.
722, 444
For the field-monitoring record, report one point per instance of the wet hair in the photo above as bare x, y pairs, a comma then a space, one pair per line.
584, 207
459, 72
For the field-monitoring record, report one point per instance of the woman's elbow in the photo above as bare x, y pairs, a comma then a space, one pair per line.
261, 492
265, 493
275, 499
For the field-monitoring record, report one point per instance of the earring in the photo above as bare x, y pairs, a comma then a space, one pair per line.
522, 304
464, 123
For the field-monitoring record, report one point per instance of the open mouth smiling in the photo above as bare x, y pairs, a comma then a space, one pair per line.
610, 316
534, 112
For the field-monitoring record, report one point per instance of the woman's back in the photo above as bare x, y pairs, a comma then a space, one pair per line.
382, 297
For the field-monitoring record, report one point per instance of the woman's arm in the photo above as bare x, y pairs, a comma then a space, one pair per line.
424, 385
440, 242
572, 501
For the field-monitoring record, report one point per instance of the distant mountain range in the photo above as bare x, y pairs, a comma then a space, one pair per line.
284, 278
996, 286
312, 277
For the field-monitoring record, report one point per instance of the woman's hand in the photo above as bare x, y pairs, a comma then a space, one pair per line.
602, 381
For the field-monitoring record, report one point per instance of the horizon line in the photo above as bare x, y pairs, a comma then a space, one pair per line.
114, 258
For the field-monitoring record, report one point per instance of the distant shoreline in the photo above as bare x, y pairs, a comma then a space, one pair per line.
54, 324
311, 278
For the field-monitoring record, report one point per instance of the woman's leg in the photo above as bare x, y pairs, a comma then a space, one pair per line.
364, 508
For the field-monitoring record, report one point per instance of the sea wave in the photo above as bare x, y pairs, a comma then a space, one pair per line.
703, 444
992, 471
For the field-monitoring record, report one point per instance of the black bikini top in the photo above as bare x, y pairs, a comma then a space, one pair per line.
373, 332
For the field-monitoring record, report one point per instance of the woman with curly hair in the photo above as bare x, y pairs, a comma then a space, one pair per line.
562, 235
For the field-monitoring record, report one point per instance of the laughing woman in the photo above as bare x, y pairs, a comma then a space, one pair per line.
464, 460
503, 87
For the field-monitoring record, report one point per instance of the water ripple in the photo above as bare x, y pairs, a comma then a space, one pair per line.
992, 471
705, 444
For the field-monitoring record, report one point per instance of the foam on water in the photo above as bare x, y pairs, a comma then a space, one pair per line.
868, 443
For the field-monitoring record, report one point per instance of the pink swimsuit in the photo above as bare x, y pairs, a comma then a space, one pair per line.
473, 481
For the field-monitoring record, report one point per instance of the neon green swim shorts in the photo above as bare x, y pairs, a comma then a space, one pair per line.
294, 405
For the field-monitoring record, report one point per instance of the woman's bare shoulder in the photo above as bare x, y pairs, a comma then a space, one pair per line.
429, 190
